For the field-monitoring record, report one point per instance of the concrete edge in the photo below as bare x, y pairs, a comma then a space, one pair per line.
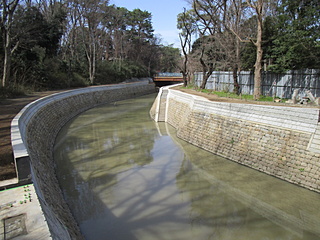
20, 152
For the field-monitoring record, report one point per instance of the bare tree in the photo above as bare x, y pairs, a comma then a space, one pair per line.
219, 16
232, 20
87, 16
88, 22
186, 24
258, 7
207, 68
184, 68
230, 17
116, 24
6, 21
207, 26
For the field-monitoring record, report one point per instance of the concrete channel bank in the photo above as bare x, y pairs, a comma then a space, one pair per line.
282, 141
34, 131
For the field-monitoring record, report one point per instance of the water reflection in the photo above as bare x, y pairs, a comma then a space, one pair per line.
126, 177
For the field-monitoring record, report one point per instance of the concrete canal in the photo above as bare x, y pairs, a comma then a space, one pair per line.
126, 177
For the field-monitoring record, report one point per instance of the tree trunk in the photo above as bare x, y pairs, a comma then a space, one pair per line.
185, 79
8, 9
185, 71
236, 86
257, 73
90, 69
257, 66
91, 56
94, 54
7, 59
204, 79
206, 73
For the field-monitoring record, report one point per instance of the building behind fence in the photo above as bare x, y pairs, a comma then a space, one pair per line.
273, 84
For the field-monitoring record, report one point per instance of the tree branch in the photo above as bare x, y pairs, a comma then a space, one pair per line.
240, 39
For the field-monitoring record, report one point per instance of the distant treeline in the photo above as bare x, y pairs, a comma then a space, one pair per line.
62, 44
70, 43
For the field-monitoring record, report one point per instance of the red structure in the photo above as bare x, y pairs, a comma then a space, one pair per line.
163, 79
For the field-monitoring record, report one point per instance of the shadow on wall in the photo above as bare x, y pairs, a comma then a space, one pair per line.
38, 125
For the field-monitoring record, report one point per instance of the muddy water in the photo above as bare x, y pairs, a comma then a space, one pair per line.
126, 177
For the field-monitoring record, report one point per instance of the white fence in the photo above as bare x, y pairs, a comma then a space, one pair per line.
273, 84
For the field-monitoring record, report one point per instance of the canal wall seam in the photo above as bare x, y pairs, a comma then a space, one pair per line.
277, 140
33, 133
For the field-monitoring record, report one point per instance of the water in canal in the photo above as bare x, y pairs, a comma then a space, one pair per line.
126, 177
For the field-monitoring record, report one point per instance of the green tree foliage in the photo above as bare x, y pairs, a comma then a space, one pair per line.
60, 44
296, 44
186, 23
248, 50
139, 33
38, 42
120, 41
168, 59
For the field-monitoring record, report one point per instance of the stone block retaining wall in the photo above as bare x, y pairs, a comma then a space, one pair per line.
34, 131
278, 140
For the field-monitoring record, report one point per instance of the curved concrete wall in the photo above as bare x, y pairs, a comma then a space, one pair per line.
34, 131
278, 140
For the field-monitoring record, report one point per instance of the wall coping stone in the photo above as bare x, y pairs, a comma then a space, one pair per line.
282, 141
57, 109
18, 127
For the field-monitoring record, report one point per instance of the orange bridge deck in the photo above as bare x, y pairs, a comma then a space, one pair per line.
168, 79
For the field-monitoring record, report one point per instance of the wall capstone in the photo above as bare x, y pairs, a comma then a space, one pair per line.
282, 141
33, 133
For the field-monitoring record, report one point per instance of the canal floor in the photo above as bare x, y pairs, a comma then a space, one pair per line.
127, 177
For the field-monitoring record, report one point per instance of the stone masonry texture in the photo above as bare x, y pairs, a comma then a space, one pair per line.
277, 140
39, 124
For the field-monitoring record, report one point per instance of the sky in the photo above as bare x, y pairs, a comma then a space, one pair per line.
164, 16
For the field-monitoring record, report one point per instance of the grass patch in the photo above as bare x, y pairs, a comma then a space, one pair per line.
190, 86
231, 95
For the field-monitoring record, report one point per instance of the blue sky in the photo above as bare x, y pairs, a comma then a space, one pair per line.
164, 16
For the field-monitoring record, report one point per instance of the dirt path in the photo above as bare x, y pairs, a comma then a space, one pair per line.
9, 108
